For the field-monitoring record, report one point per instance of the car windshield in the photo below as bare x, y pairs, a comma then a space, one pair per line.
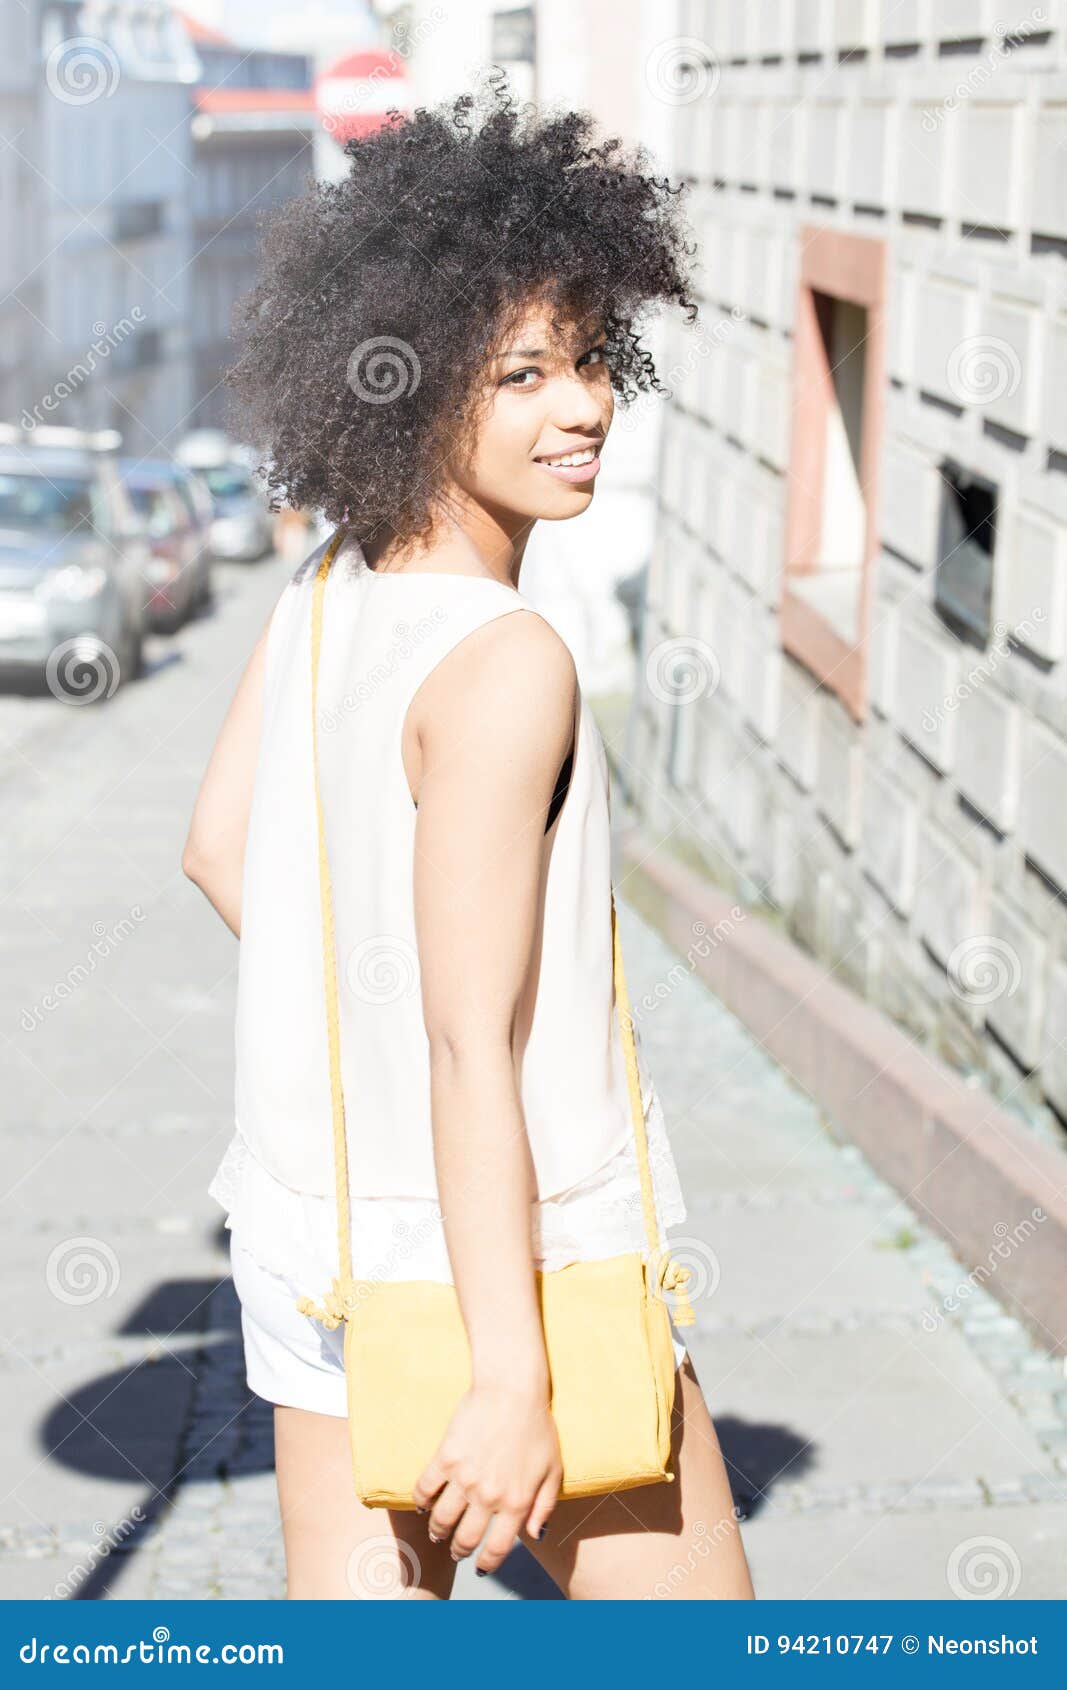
52, 503
227, 481
154, 504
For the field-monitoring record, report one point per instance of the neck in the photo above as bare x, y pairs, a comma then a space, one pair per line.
476, 540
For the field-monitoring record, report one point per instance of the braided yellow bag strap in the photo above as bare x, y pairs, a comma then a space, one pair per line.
338, 1302
340, 1299
669, 1273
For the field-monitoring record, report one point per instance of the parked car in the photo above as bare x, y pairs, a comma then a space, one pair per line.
205, 448
243, 528
194, 490
177, 515
72, 556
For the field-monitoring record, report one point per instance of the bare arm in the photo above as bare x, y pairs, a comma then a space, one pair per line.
214, 852
495, 721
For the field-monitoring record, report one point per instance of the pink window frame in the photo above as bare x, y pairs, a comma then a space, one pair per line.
853, 268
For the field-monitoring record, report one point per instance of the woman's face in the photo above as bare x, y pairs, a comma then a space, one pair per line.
549, 398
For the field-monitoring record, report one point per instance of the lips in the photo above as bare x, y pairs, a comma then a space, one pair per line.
573, 472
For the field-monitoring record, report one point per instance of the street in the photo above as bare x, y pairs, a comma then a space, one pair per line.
886, 1436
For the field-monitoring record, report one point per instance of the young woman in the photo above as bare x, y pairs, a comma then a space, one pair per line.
433, 354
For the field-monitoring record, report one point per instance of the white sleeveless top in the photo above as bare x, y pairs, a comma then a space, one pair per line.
382, 636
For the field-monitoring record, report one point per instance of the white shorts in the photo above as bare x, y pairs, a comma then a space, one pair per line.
291, 1359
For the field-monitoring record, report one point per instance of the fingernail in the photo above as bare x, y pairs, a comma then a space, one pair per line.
481, 1571
420, 1510
541, 1533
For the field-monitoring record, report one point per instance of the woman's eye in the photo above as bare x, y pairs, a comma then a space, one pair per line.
515, 379
597, 352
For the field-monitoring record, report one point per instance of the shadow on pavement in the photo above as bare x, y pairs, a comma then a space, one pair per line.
137, 1423
144, 1423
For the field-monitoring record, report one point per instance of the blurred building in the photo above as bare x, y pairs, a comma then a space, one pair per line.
253, 128
139, 149
854, 702
20, 252
109, 215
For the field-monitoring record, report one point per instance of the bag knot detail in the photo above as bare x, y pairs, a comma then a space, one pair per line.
333, 1309
672, 1276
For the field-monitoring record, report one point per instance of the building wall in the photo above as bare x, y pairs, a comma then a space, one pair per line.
19, 253
113, 223
237, 177
897, 796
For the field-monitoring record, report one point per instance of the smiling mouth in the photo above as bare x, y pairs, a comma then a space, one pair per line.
570, 460
580, 466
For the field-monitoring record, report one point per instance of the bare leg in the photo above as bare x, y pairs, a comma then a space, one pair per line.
335, 1548
679, 1541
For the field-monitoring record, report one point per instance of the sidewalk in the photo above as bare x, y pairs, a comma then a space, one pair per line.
879, 1445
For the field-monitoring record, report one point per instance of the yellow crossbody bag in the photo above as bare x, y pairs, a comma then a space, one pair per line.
406, 1353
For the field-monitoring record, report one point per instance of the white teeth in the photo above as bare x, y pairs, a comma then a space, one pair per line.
570, 459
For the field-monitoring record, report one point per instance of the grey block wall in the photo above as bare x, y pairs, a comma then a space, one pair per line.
922, 851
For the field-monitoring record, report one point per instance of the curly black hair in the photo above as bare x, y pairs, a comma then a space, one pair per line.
382, 296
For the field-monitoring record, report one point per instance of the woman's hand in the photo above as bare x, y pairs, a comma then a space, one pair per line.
498, 1467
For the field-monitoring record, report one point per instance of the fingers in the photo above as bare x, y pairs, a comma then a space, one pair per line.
446, 1512
466, 1521
543, 1503
428, 1483
469, 1531
501, 1539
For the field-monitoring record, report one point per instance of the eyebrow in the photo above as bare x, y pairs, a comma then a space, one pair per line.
535, 351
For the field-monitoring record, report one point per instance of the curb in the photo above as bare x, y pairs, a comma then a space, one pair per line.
993, 1190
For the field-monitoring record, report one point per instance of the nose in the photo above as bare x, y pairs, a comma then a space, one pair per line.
576, 407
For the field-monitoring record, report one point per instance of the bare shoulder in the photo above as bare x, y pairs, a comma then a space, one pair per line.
509, 687
525, 645
509, 660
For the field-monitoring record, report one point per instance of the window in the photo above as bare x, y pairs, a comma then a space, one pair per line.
134, 219
832, 517
963, 588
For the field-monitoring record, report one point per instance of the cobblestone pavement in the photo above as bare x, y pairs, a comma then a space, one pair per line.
889, 1430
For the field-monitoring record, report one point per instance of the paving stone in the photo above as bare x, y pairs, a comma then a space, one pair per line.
867, 1447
